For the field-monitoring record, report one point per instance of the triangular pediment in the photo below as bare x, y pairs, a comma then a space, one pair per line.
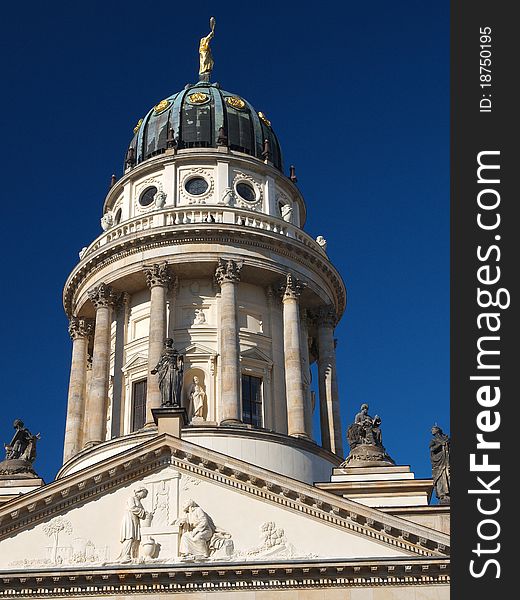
198, 349
255, 354
136, 361
310, 523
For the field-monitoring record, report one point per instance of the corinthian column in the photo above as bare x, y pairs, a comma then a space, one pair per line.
80, 330
158, 279
227, 275
328, 383
103, 297
294, 384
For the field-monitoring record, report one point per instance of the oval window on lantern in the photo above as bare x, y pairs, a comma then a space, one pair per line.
147, 196
246, 192
196, 186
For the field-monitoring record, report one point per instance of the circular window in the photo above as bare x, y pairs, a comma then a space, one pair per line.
196, 186
246, 192
147, 196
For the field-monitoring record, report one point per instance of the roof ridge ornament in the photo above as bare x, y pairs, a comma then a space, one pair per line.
205, 56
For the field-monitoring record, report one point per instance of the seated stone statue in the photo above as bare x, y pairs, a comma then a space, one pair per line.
366, 441
23, 444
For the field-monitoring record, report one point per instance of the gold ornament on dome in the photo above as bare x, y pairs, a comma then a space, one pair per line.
138, 126
161, 107
264, 119
235, 102
198, 98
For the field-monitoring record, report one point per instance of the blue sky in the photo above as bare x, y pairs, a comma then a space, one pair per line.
358, 94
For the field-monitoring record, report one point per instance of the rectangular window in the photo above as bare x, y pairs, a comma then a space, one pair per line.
252, 400
138, 405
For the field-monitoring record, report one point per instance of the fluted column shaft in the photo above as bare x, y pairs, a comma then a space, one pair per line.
330, 421
80, 330
158, 279
227, 276
294, 385
103, 298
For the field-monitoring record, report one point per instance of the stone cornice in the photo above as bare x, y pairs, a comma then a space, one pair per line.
223, 470
122, 580
196, 233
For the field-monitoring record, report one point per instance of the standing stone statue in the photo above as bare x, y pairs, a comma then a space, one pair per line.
366, 441
440, 459
197, 397
20, 453
170, 369
131, 526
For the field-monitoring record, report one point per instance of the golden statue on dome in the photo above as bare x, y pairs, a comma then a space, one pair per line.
206, 59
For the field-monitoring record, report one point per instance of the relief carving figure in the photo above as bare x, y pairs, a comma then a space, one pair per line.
200, 538
169, 370
197, 397
273, 542
131, 526
440, 459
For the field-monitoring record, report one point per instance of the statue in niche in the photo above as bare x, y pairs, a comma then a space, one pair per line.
199, 536
440, 459
169, 370
366, 441
197, 396
200, 317
23, 444
131, 526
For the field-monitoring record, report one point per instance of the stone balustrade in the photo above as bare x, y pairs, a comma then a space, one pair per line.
183, 217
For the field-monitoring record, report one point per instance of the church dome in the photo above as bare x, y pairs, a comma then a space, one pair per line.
204, 116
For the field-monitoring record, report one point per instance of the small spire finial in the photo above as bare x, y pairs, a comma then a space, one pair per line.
205, 56
292, 174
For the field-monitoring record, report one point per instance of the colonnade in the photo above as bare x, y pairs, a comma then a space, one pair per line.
86, 413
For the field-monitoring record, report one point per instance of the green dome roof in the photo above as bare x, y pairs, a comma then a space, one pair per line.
204, 116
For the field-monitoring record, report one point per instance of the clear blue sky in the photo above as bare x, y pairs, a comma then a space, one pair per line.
358, 93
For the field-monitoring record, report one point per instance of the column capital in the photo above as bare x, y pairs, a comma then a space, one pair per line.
292, 288
227, 271
80, 327
326, 316
103, 296
158, 274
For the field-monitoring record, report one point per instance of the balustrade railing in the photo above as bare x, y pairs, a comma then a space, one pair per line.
187, 216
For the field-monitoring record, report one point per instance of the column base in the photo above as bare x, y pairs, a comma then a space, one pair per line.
302, 436
170, 420
232, 423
